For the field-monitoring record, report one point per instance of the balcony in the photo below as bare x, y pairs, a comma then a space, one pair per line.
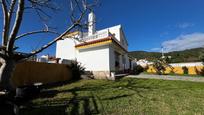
98, 35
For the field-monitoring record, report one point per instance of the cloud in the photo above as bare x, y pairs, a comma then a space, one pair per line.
184, 42
185, 25
155, 49
163, 34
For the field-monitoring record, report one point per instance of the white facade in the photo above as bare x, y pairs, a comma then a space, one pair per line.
98, 51
188, 64
95, 59
65, 49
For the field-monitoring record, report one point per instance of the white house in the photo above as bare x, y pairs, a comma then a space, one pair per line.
100, 52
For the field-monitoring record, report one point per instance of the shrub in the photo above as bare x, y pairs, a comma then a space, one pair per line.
161, 64
159, 67
77, 70
185, 70
138, 69
199, 72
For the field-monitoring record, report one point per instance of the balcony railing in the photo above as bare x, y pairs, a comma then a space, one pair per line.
97, 35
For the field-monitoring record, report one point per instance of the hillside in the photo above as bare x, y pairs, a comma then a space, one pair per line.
190, 55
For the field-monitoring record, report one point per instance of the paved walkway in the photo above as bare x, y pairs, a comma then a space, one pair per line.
169, 77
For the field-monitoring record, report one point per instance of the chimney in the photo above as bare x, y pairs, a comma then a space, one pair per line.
91, 23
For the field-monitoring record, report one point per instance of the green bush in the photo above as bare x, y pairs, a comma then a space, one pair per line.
161, 64
159, 67
199, 72
185, 70
77, 70
138, 69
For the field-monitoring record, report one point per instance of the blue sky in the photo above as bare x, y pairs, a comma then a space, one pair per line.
148, 24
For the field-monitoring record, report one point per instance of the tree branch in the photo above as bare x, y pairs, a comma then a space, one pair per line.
77, 3
16, 26
13, 2
44, 4
5, 27
52, 42
10, 12
12, 5
76, 23
35, 32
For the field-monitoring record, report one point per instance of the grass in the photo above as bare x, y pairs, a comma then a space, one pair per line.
128, 96
173, 74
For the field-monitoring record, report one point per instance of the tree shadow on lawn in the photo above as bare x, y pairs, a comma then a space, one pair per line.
117, 97
92, 104
120, 85
87, 104
63, 106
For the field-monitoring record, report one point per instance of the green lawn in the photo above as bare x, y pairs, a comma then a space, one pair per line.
128, 96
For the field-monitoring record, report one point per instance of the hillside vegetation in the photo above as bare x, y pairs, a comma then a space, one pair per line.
190, 55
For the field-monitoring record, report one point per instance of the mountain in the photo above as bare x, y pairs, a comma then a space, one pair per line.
190, 55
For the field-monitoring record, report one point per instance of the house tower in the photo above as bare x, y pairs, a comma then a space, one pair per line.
91, 24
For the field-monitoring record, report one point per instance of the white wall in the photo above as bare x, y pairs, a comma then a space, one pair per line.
119, 35
65, 49
186, 64
95, 59
115, 30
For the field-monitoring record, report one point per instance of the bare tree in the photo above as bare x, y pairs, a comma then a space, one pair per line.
13, 15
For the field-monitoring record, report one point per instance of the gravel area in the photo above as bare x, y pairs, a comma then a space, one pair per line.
169, 77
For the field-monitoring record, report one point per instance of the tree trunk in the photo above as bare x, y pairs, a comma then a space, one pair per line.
6, 71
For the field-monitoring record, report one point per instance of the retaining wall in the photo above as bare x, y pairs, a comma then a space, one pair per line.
28, 73
191, 68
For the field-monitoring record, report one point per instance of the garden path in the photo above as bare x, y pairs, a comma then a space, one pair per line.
169, 77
